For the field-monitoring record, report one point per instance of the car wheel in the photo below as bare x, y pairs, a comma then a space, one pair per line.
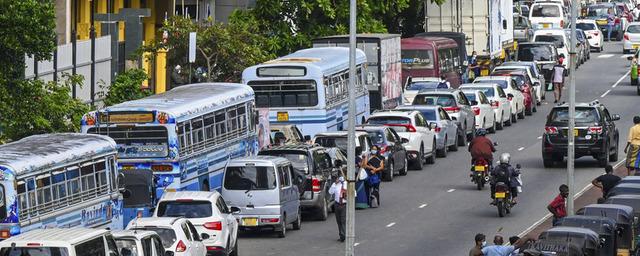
417, 163
500, 124
493, 127
298, 223
521, 114
432, 157
324, 210
601, 49
508, 122
405, 168
462, 139
603, 161
282, 230
389, 174
454, 147
614, 157
443, 151
234, 252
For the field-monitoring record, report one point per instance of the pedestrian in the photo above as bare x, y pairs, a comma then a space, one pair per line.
514, 240
557, 77
177, 77
339, 192
611, 21
636, 12
558, 207
480, 243
606, 181
444, 84
474, 69
375, 165
633, 146
499, 249
362, 192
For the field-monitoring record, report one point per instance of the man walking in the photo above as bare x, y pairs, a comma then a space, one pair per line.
557, 77
480, 243
606, 181
557, 207
339, 191
611, 22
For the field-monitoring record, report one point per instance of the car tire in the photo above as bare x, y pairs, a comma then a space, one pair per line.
499, 123
603, 160
405, 169
601, 49
508, 122
417, 163
614, 157
454, 147
324, 210
462, 139
234, 252
389, 175
443, 152
493, 127
514, 118
298, 223
282, 230
521, 114
432, 158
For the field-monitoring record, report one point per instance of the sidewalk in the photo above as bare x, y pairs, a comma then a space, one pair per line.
588, 197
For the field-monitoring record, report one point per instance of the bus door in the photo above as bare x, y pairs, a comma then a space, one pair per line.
139, 194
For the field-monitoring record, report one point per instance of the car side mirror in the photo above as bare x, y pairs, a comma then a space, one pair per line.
510, 95
433, 126
615, 117
405, 140
204, 236
234, 209
168, 253
473, 102
307, 138
589, 37
454, 118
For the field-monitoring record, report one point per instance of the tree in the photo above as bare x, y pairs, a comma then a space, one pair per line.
127, 86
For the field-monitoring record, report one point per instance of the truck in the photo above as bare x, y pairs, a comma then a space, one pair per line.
487, 25
383, 65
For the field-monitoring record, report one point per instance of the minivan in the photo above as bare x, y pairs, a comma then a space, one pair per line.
559, 38
262, 187
61, 241
547, 15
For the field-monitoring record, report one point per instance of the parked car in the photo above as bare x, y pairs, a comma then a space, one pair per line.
524, 85
415, 84
582, 47
315, 166
535, 79
545, 55
178, 235
61, 241
594, 35
600, 11
631, 41
339, 139
285, 134
498, 98
514, 95
208, 213
457, 106
485, 116
559, 39
595, 134
446, 129
545, 15
391, 146
522, 30
421, 145
263, 188
139, 243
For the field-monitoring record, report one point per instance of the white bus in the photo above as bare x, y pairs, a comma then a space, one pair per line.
308, 88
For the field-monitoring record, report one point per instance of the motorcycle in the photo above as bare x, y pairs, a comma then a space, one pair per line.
502, 197
480, 175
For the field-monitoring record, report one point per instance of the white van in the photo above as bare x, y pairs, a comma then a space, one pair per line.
61, 241
559, 38
547, 15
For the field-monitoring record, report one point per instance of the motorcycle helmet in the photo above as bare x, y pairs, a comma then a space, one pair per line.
505, 158
481, 132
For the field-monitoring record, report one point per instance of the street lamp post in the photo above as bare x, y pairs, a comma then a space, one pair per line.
351, 146
572, 109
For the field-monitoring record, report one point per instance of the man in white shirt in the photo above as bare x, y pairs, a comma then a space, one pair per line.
636, 12
339, 192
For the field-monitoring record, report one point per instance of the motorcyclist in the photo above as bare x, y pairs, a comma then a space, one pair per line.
505, 173
481, 147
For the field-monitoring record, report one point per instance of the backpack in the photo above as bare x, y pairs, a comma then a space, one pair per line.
442, 85
501, 173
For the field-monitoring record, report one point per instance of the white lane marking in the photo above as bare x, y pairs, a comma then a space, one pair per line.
356, 244
451, 190
521, 148
539, 137
391, 224
605, 56
605, 93
621, 78
422, 206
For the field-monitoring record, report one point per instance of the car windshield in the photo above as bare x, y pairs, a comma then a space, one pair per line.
583, 115
535, 53
185, 208
557, 40
442, 100
416, 86
167, 235
377, 137
250, 178
128, 247
503, 84
388, 120
545, 10
34, 251
586, 26
417, 59
299, 160
633, 29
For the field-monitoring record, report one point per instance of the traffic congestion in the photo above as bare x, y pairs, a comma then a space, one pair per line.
460, 132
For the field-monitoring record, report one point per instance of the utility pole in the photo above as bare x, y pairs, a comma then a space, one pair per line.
351, 138
572, 109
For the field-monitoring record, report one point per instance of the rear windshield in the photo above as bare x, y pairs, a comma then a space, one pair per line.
442, 100
586, 26
377, 137
429, 114
583, 115
545, 11
388, 120
167, 235
129, 246
250, 178
416, 86
187, 209
30, 251
633, 29
298, 160
535, 53
557, 40
503, 84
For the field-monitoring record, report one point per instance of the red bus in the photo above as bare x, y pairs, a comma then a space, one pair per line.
431, 57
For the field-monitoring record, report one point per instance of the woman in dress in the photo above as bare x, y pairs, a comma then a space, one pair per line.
362, 192
633, 147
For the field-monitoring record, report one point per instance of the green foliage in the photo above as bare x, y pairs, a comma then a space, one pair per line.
127, 86
35, 107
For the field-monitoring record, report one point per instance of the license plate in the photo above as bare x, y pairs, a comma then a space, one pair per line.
250, 222
479, 168
601, 22
501, 194
484, 72
283, 116
546, 25
128, 167
636, 46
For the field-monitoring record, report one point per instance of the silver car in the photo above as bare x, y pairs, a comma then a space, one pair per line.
456, 104
522, 30
446, 129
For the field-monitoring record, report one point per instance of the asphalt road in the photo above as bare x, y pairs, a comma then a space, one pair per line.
437, 211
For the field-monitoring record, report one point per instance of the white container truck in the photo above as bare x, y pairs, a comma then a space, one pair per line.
487, 24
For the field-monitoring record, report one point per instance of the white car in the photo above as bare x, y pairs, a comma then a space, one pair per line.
514, 95
559, 38
485, 116
631, 38
208, 212
414, 127
139, 243
543, 15
498, 98
74, 241
178, 234
415, 84
537, 87
594, 35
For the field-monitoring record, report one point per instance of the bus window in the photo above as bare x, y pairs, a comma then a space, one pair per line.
3, 203
43, 190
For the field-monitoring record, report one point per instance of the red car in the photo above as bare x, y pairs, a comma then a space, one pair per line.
524, 84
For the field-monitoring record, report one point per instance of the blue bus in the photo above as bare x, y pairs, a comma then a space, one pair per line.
58, 180
308, 88
184, 136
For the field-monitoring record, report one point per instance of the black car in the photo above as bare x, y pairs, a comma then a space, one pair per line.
316, 167
390, 145
595, 134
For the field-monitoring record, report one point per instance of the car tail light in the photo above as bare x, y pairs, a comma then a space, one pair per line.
626, 36
594, 130
270, 220
495, 104
596, 33
315, 185
215, 248
562, 24
181, 247
437, 129
161, 167
410, 128
34, 244
551, 130
510, 98
476, 110
5, 234
215, 225
454, 109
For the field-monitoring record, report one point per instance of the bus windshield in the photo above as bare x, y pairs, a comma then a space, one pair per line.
250, 178
137, 141
417, 59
